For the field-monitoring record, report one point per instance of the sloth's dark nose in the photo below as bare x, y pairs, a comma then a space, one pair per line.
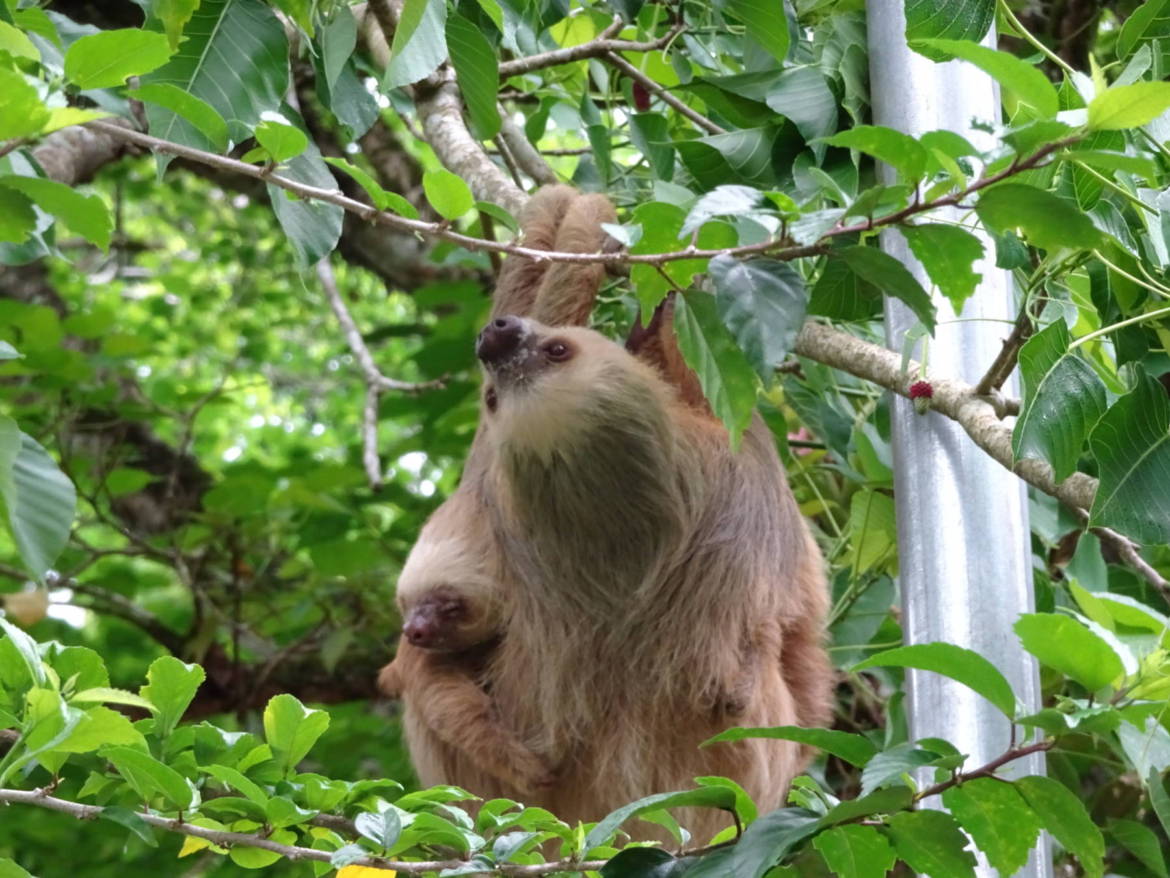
499, 339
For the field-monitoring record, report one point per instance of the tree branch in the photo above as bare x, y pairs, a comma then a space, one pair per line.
987, 770
596, 48
1005, 362
615, 60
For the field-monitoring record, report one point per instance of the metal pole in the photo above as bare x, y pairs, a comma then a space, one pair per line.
963, 537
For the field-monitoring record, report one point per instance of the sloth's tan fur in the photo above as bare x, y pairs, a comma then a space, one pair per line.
653, 587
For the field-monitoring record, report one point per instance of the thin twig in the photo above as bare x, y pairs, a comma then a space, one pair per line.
653, 87
1128, 551
600, 47
987, 770
1005, 362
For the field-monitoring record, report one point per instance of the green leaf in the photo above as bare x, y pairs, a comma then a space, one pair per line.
111, 57
39, 498
1063, 400
703, 797
841, 294
762, 302
873, 529
633, 862
21, 111
9, 869
961, 665
884, 801
97, 728
999, 821
478, 73
85, 214
932, 843
235, 58
236, 780
447, 193
1159, 799
338, 38
889, 767
1048, 221
1066, 645
127, 818
382, 828
949, 254
900, 151
802, 95
282, 141
723, 371
26, 648
107, 695
1063, 814
291, 729
313, 227
892, 277
258, 858
15, 43
171, 684
728, 200
381, 199
760, 847
766, 24
174, 15
1131, 443
419, 43
854, 749
148, 776
927, 19
1128, 106
1026, 81
856, 851
661, 228
17, 217
198, 112
1142, 842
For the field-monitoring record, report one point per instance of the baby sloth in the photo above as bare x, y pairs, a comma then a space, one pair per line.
452, 615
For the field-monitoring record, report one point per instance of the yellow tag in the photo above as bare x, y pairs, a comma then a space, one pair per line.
365, 872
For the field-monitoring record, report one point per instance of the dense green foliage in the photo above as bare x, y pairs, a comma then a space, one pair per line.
193, 498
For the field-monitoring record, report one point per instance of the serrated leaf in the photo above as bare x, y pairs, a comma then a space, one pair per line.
900, 151
198, 112
1063, 400
723, 371
447, 193
291, 729
703, 797
21, 111
998, 820
1063, 814
892, 277
1048, 221
85, 214
234, 57
932, 843
111, 57
856, 851
1131, 443
1026, 81
39, 498
419, 44
148, 776
762, 302
961, 665
1066, 645
854, 749
170, 686
478, 73
1128, 106
841, 294
949, 254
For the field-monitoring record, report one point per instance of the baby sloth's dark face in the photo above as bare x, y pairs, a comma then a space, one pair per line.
516, 352
438, 621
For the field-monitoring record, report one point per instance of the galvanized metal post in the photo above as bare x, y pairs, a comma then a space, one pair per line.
963, 538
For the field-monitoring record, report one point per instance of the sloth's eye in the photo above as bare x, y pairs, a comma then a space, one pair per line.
557, 350
490, 399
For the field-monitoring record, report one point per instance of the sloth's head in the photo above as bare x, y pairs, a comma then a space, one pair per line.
445, 597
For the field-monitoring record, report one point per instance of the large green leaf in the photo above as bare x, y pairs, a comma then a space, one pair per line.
170, 686
1142, 842
1129, 106
842, 294
892, 277
932, 843
766, 23
703, 797
1063, 399
39, 498
1066, 645
1131, 443
477, 72
1048, 221
949, 254
854, 749
1062, 813
21, 110
1026, 81
760, 847
448, 193
961, 665
802, 95
111, 57
420, 43
148, 776
724, 373
997, 818
194, 110
929, 19
17, 217
313, 227
898, 150
235, 58
856, 851
85, 214
291, 729
762, 302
